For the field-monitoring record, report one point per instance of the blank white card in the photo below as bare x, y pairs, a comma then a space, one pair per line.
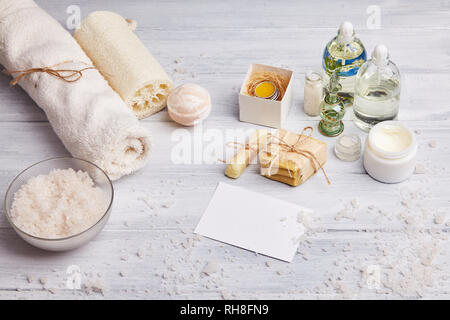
253, 221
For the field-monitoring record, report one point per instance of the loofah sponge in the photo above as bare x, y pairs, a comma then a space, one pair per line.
131, 70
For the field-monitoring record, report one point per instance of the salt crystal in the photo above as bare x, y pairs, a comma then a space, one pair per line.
98, 288
419, 169
180, 70
210, 268
226, 295
439, 217
348, 247
166, 204
355, 203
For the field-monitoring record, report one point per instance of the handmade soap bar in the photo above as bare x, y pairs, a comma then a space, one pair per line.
131, 70
292, 158
243, 157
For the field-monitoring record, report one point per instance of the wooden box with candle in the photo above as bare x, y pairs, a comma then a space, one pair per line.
265, 95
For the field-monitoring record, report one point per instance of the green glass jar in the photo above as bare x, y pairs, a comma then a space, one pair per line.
332, 110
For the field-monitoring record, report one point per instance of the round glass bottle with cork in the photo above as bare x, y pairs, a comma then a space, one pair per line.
346, 53
377, 90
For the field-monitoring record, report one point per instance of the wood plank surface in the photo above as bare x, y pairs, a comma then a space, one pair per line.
148, 249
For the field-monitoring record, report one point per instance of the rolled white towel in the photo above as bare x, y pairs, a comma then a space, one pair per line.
88, 116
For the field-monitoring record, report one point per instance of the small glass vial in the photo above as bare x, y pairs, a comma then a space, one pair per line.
377, 90
313, 93
348, 147
332, 110
345, 53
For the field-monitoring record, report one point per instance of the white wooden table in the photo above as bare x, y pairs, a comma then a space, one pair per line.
212, 44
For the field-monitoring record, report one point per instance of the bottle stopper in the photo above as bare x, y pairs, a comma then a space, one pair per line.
380, 55
346, 32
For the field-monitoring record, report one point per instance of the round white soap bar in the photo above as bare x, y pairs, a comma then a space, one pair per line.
189, 104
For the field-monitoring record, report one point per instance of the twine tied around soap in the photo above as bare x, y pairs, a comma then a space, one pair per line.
67, 75
288, 147
296, 149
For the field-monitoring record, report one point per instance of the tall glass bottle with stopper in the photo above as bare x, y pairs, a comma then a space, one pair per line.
332, 109
377, 90
345, 53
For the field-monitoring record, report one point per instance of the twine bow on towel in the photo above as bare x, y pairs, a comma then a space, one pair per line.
67, 75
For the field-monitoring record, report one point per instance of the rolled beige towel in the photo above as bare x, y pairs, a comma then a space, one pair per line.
87, 115
131, 70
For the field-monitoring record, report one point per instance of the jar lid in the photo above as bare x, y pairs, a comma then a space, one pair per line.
348, 147
267, 90
313, 76
391, 140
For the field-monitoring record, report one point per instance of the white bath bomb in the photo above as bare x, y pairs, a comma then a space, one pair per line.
189, 104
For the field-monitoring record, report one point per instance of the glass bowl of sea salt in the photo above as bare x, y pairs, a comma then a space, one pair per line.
59, 204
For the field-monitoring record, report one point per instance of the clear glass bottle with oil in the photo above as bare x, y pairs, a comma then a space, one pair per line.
345, 53
377, 90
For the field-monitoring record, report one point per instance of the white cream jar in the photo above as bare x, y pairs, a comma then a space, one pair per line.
390, 152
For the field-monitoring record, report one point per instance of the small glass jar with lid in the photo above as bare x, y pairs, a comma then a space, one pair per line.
348, 147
